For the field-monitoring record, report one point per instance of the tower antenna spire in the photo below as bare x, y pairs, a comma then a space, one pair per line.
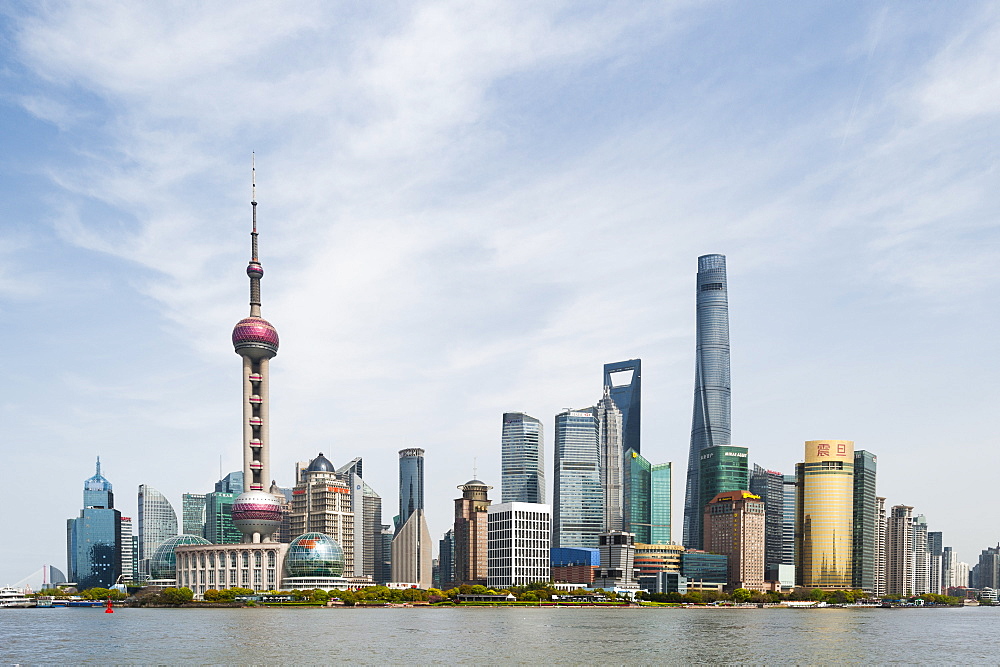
255, 271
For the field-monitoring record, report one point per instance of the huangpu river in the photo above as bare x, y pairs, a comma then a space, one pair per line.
499, 635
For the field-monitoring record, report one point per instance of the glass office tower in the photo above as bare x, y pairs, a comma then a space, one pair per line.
865, 522
638, 494
647, 499
661, 486
790, 489
824, 515
93, 540
193, 511
522, 476
411, 484
722, 468
769, 485
623, 380
710, 425
578, 500
157, 522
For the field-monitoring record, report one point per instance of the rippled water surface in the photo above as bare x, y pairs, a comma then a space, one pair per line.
499, 635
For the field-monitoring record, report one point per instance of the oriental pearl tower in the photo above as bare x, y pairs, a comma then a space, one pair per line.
256, 513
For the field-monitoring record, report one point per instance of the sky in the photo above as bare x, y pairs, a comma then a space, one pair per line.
466, 209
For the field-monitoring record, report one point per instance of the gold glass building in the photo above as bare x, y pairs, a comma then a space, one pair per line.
824, 515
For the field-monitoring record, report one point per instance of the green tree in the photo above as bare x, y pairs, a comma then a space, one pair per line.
176, 595
319, 595
741, 595
212, 595
95, 594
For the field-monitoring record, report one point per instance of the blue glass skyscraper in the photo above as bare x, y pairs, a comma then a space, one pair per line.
522, 475
93, 540
411, 484
710, 426
578, 500
623, 380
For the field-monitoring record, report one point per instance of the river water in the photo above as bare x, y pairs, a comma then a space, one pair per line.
499, 635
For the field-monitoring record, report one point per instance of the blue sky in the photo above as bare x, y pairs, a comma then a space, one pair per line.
466, 210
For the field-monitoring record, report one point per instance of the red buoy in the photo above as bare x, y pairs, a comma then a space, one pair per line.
107, 607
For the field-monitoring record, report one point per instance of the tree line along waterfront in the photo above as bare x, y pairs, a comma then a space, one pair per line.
531, 594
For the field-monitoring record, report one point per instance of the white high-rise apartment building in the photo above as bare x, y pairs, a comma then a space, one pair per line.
921, 557
518, 541
880, 535
898, 551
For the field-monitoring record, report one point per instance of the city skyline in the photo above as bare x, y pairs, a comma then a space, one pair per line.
440, 225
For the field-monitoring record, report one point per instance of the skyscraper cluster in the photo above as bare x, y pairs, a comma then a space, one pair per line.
609, 523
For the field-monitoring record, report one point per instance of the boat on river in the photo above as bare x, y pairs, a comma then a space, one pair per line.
13, 598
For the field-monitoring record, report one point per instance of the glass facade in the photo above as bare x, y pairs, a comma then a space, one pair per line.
411, 484
865, 522
623, 380
711, 422
661, 503
578, 500
219, 528
231, 483
789, 489
446, 558
157, 523
638, 496
193, 512
770, 486
163, 562
522, 460
93, 552
703, 567
314, 555
824, 516
723, 468
97, 491
612, 463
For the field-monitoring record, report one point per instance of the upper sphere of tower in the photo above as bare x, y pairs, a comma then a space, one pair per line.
255, 270
254, 336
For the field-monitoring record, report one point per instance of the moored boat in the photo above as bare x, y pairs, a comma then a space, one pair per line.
11, 597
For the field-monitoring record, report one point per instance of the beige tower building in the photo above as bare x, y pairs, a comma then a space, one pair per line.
824, 517
734, 526
470, 534
899, 551
411, 552
321, 503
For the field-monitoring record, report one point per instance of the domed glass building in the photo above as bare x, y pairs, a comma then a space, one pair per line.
163, 562
314, 555
314, 560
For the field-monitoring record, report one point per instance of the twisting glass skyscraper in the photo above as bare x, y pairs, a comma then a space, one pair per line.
522, 478
710, 426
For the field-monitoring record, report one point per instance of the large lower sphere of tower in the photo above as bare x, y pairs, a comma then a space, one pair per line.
256, 512
255, 337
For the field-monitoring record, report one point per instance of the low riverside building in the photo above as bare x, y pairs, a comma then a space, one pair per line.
652, 559
518, 542
704, 571
574, 565
617, 571
254, 566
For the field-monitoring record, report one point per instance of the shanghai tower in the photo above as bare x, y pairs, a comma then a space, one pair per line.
710, 425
